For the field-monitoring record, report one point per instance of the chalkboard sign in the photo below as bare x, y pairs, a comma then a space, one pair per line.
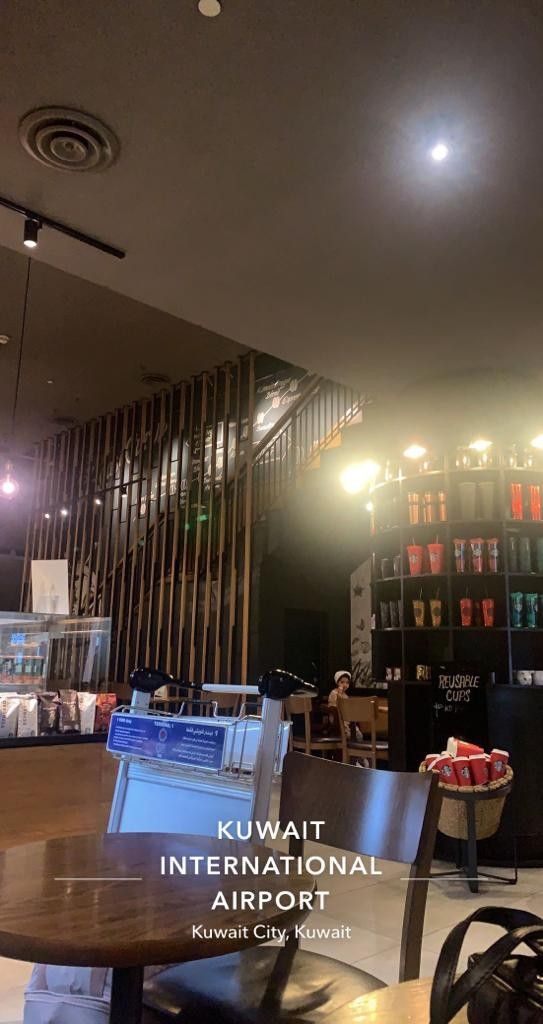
459, 704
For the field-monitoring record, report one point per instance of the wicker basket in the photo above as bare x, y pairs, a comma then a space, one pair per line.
453, 819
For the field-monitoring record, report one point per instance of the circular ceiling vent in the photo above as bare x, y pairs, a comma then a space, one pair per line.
155, 380
68, 140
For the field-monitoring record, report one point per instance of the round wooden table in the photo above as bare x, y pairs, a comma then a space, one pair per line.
104, 901
400, 1004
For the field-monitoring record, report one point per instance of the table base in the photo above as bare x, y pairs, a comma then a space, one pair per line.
126, 995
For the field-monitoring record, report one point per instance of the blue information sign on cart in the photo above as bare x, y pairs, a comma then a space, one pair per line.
170, 740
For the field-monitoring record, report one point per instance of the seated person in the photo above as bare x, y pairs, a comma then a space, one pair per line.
342, 681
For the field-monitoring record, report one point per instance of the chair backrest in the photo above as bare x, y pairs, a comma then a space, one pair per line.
387, 815
300, 705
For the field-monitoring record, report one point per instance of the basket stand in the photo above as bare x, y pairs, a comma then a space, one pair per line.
466, 860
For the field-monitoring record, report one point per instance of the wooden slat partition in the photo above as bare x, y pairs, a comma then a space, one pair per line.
161, 499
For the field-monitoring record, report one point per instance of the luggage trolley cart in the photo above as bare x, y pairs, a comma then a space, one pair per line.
177, 773
185, 773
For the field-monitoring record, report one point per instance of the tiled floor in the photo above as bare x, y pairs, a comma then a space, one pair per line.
372, 907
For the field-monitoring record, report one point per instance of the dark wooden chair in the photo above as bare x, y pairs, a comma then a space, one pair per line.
389, 815
308, 743
371, 716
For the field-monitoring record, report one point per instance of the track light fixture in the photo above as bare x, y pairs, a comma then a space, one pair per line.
30, 235
34, 221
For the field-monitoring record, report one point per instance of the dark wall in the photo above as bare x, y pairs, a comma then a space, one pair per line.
11, 574
304, 555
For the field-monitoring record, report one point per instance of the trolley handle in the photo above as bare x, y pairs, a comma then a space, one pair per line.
278, 684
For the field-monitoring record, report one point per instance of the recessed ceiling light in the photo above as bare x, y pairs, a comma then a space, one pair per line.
5, 339
46, 515
480, 445
209, 8
415, 451
439, 152
64, 512
50, 380
359, 475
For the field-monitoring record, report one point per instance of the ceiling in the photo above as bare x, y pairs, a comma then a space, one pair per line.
85, 350
274, 183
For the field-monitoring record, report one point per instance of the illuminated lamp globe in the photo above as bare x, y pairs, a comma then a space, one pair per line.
359, 475
480, 445
9, 487
537, 442
415, 451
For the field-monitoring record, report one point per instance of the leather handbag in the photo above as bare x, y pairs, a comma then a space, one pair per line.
499, 986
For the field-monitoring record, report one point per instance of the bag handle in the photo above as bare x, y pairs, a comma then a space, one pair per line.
448, 996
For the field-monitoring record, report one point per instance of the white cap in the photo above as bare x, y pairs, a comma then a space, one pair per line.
339, 675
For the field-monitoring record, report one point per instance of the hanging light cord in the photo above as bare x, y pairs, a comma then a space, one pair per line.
21, 345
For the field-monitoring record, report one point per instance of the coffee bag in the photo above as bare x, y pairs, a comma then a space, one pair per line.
87, 711
70, 720
48, 713
105, 706
27, 724
9, 713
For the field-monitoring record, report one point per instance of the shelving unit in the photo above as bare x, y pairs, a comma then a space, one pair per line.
505, 648
515, 712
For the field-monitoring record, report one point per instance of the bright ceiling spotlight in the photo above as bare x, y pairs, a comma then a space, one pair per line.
8, 485
209, 8
415, 451
537, 442
97, 501
439, 152
369, 506
359, 475
46, 515
30, 235
480, 445
64, 512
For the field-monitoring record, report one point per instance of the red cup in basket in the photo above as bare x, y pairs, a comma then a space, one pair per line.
436, 552
429, 760
479, 769
499, 759
444, 765
461, 748
461, 771
415, 553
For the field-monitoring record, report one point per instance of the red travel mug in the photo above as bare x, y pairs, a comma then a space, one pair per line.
488, 611
516, 501
499, 760
466, 611
479, 769
415, 553
437, 557
535, 501
461, 770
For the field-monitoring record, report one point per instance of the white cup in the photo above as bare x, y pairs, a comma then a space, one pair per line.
524, 677
538, 677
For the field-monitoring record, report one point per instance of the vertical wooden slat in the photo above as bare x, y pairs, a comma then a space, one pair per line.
198, 546
234, 531
222, 529
248, 526
174, 568
210, 529
186, 526
162, 429
166, 525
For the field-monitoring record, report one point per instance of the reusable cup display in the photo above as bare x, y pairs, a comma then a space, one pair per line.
418, 612
468, 496
442, 506
444, 765
397, 565
415, 553
477, 614
499, 759
430, 508
512, 550
435, 611
436, 552
461, 770
477, 546
492, 554
530, 610
515, 491
486, 499
525, 554
466, 611
462, 748
414, 508
488, 611
385, 614
517, 608
539, 554
479, 769
394, 613
534, 491
386, 568
460, 555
